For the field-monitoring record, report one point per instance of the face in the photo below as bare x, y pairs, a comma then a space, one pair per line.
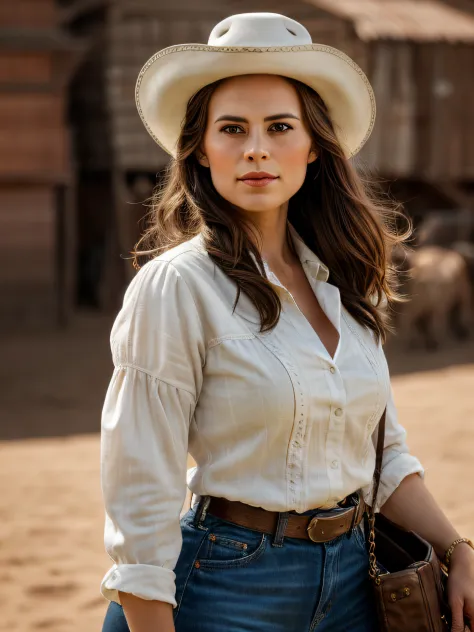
255, 124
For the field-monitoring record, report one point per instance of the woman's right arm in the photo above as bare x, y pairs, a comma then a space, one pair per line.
158, 351
147, 616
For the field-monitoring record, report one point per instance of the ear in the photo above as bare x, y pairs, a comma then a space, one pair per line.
202, 158
313, 154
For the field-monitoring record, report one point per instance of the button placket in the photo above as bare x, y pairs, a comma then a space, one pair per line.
335, 434
295, 459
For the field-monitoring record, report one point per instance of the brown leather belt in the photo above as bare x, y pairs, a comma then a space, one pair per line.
322, 527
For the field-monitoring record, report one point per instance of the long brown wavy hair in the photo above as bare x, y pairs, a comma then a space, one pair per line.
343, 217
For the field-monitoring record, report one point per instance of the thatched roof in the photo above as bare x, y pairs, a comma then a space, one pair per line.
416, 20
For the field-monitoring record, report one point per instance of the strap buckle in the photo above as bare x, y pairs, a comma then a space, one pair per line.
355, 515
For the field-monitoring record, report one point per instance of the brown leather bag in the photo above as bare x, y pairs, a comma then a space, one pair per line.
408, 580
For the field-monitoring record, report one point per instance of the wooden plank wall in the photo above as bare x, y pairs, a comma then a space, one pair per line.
425, 100
90, 109
27, 256
390, 149
445, 102
34, 139
23, 67
35, 162
468, 121
27, 13
130, 43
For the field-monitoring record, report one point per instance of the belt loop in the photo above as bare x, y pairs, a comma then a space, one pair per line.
279, 535
357, 508
201, 511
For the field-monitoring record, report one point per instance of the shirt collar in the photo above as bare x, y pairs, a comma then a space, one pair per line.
315, 267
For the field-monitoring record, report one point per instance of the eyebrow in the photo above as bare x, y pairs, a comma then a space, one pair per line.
241, 119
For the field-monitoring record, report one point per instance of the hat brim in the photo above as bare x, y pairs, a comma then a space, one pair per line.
170, 78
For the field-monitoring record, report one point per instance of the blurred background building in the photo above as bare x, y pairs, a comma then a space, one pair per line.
37, 61
76, 164
75, 160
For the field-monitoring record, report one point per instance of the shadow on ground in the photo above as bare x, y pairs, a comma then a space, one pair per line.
54, 383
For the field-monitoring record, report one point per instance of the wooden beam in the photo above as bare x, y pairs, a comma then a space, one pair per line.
69, 14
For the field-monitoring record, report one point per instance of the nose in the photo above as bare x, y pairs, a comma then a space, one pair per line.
253, 154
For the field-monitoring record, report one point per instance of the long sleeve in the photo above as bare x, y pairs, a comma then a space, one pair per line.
158, 353
397, 462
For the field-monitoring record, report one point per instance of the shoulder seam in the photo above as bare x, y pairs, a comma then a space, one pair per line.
131, 365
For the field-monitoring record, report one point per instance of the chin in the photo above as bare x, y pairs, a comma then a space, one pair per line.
259, 204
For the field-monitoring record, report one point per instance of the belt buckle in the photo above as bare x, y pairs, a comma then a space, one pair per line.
313, 522
309, 529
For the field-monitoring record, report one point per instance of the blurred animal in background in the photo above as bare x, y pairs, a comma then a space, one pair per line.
443, 228
438, 283
466, 250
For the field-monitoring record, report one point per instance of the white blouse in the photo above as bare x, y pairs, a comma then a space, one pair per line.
270, 419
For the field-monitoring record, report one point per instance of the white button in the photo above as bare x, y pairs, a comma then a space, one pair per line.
332, 369
335, 465
338, 412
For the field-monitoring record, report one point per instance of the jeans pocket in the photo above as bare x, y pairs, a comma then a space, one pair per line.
228, 545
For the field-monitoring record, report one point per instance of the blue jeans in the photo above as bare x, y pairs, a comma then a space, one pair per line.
233, 579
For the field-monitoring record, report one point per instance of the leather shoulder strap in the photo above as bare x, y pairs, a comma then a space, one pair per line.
379, 457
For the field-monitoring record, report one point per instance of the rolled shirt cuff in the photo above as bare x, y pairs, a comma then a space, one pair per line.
393, 473
142, 580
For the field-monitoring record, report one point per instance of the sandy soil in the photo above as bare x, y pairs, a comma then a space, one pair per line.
51, 516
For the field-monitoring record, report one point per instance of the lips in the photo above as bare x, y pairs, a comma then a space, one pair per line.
257, 175
258, 178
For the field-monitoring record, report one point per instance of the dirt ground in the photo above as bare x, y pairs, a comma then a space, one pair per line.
51, 516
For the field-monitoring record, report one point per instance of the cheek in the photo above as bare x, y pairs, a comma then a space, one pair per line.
222, 162
293, 162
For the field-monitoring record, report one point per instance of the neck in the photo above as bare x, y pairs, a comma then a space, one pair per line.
273, 243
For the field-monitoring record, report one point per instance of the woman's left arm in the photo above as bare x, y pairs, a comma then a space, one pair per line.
405, 500
412, 507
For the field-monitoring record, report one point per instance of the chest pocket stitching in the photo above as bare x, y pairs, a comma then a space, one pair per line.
376, 368
217, 341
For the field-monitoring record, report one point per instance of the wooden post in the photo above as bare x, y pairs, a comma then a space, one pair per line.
113, 280
66, 252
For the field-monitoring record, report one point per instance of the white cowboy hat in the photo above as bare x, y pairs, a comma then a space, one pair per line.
254, 43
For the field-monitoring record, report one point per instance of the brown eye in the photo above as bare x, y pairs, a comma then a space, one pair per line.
280, 125
231, 127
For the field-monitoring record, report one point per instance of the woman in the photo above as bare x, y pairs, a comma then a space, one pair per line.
253, 340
